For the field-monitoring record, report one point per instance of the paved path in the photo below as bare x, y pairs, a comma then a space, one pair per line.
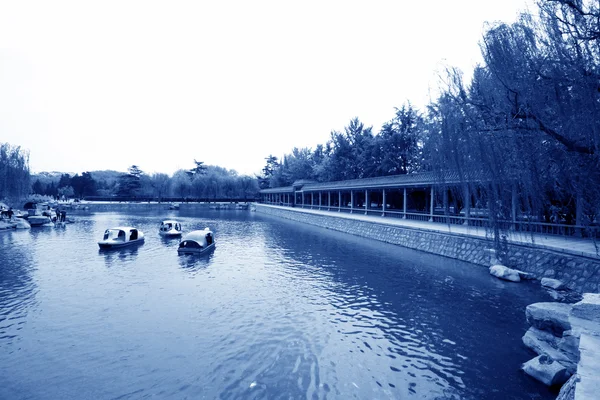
571, 245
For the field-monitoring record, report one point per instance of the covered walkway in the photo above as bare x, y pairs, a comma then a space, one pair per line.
443, 198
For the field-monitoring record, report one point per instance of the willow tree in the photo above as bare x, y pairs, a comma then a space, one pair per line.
547, 68
528, 119
14, 172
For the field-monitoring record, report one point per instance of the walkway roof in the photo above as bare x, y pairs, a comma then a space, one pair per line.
421, 179
283, 189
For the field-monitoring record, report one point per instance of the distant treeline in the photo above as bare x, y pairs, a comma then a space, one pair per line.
170, 199
200, 182
14, 172
529, 119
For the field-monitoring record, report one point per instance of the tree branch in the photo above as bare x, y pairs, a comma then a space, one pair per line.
571, 145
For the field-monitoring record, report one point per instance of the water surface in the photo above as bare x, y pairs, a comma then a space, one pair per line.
278, 311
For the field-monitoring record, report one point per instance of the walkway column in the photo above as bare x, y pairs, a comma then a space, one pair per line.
404, 199
431, 205
383, 204
446, 205
351, 201
366, 201
467, 205
312, 199
303, 199
339, 200
328, 200
319, 200
578, 212
513, 208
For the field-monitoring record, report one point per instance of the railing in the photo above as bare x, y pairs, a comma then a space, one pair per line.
529, 227
554, 229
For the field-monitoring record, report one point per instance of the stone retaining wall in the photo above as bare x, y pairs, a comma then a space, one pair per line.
578, 273
120, 207
191, 207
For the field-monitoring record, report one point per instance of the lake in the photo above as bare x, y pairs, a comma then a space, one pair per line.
278, 310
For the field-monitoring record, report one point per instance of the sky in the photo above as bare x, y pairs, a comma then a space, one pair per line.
89, 85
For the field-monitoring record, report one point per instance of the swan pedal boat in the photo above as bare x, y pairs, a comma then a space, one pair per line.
197, 242
170, 228
121, 236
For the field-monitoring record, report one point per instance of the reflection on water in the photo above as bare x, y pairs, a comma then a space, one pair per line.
193, 263
123, 254
277, 310
17, 287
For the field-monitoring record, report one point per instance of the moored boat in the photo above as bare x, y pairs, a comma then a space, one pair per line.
21, 223
169, 228
39, 214
39, 220
120, 237
197, 242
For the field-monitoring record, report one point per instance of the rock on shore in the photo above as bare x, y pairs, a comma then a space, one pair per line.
502, 272
550, 337
545, 343
553, 284
567, 339
567, 392
549, 316
546, 370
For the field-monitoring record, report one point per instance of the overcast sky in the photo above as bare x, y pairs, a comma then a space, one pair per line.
106, 84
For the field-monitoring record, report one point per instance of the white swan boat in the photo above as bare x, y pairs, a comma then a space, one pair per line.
170, 228
120, 237
197, 242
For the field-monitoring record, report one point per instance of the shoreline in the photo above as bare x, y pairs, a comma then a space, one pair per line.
574, 262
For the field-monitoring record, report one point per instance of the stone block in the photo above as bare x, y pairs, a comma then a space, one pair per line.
567, 392
588, 369
526, 276
569, 345
546, 370
549, 316
588, 308
553, 284
502, 272
545, 343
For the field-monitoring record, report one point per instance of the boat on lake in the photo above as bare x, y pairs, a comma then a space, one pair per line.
120, 237
170, 228
39, 214
197, 242
40, 220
